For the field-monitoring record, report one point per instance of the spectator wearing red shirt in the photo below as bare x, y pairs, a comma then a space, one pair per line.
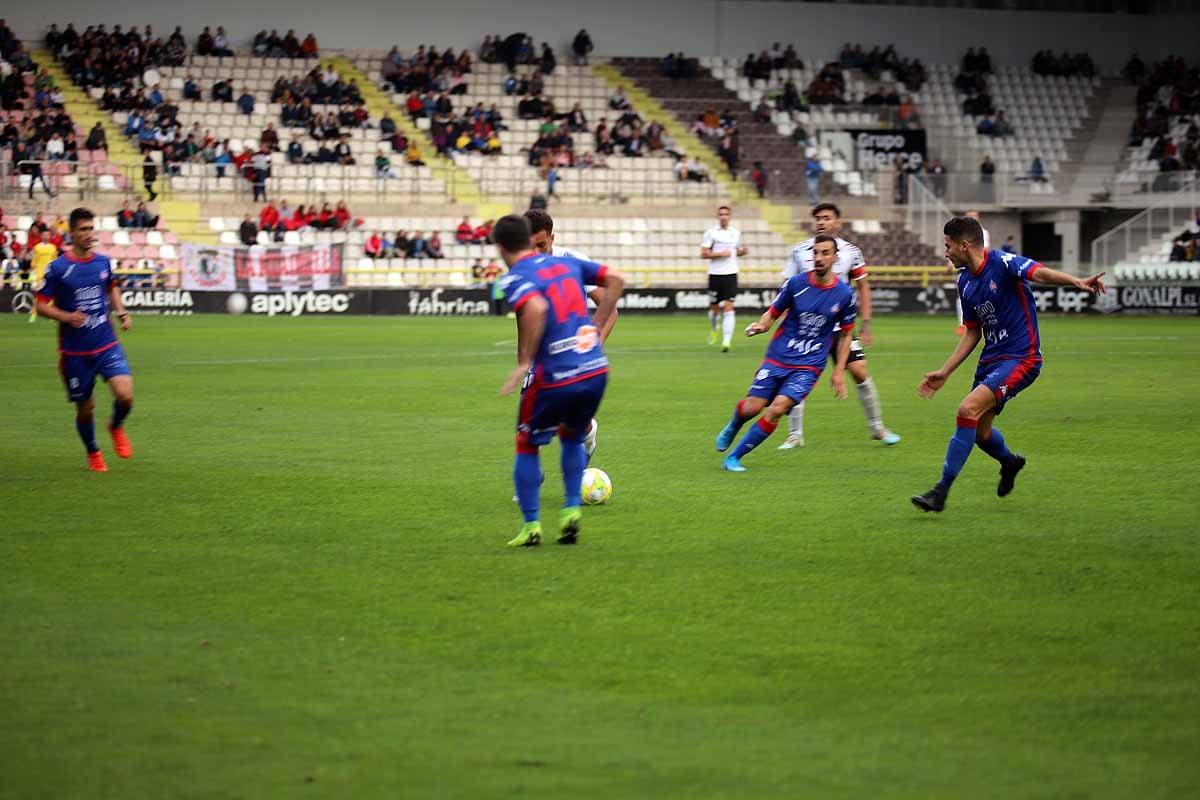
464, 233
268, 218
325, 220
125, 216
435, 246
483, 234
414, 105
374, 246
342, 216
308, 48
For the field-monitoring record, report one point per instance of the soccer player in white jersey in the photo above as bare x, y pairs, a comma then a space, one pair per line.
541, 225
851, 268
721, 247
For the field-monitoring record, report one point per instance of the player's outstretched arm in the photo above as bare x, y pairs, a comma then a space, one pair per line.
606, 307
531, 324
1053, 277
935, 380
763, 325
118, 307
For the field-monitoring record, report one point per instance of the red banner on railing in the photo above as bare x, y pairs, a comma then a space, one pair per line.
263, 269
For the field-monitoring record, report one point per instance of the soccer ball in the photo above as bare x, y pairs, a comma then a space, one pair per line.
597, 487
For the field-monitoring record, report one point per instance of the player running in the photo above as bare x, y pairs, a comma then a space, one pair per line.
721, 248
541, 228
851, 268
77, 291
998, 307
813, 305
560, 362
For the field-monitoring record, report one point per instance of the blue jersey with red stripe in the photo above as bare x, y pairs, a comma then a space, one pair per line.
811, 312
74, 285
570, 348
997, 298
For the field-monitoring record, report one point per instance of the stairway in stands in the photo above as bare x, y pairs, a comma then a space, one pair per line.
687, 99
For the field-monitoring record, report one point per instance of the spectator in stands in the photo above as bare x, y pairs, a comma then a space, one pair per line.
97, 139
222, 91
149, 176
987, 170
271, 220
1009, 245
812, 175
125, 216
221, 44
55, 149
342, 151
434, 246
548, 61
295, 151
1001, 127
582, 47
383, 166
986, 127
248, 231
260, 165
204, 43
576, 119
487, 51
937, 177
413, 154
269, 138
142, 218
1037, 172
245, 102
309, 48
758, 176
373, 247
727, 151
418, 246
619, 101
465, 233
762, 112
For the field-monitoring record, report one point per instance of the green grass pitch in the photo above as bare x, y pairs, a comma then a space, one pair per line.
299, 586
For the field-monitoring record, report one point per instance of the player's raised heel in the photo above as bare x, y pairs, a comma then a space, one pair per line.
569, 520
732, 464
96, 462
887, 437
121, 445
1008, 475
792, 442
530, 536
933, 500
725, 437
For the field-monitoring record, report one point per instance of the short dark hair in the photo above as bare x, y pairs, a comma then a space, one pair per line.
964, 229
825, 237
725, 208
79, 215
819, 207
512, 233
539, 221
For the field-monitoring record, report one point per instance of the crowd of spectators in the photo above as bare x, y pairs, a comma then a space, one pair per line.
403, 244
272, 45
1168, 92
1186, 246
873, 63
972, 80
279, 220
517, 48
56, 233
1045, 63
678, 66
138, 218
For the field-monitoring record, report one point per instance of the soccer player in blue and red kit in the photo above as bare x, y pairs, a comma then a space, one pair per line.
561, 366
998, 307
811, 304
77, 292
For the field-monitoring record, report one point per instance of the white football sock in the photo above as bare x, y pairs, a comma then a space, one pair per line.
727, 328
869, 397
796, 420
712, 318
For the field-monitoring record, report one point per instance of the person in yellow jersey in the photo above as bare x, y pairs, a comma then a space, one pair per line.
43, 253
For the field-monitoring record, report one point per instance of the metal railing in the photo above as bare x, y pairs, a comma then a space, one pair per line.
76, 179
926, 214
1173, 213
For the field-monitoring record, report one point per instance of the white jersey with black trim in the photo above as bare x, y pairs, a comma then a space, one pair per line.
572, 253
850, 266
726, 242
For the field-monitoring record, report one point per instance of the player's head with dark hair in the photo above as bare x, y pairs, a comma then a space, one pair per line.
83, 228
825, 250
724, 214
541, 230
79, 215
964, 235
827, 218
511, 236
